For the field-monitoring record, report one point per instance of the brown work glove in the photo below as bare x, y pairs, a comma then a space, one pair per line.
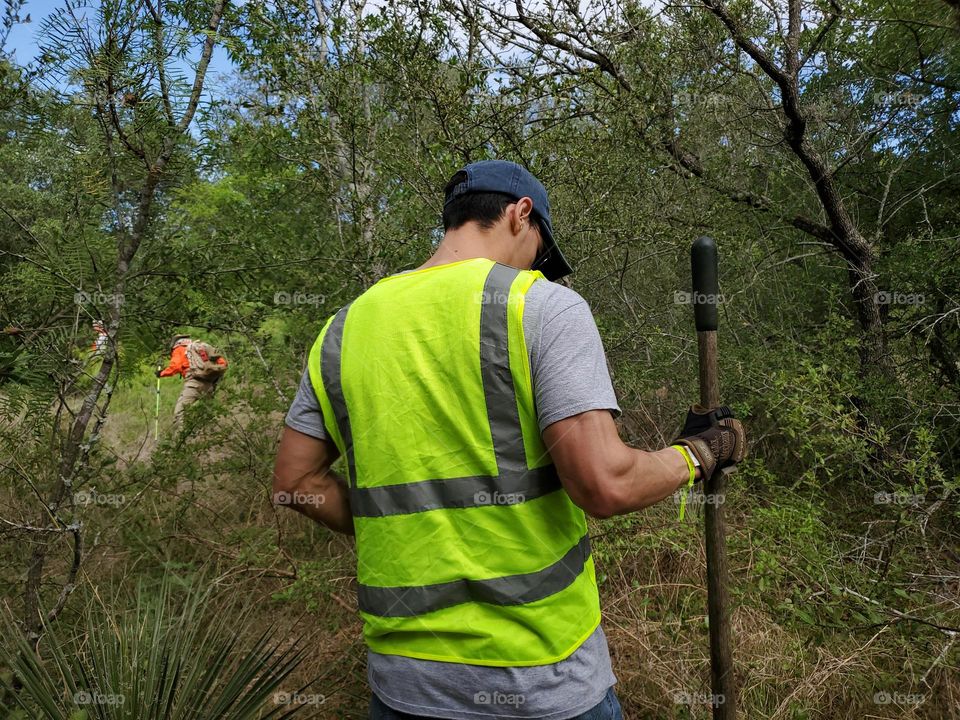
715, 437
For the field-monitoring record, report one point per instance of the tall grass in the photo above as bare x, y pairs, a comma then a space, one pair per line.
165, 658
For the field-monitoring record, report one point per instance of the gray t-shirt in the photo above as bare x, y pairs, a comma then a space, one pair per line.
570, 376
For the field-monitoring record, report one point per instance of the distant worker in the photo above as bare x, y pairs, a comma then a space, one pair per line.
100, 342
471, 401
200, 363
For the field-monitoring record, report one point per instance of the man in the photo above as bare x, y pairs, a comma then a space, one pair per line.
472, 401
200, 363
100, 341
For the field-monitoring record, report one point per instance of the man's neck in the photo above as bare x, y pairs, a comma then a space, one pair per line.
464, 244
445, 256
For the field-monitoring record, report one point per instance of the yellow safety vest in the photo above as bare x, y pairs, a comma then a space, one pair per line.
468, 548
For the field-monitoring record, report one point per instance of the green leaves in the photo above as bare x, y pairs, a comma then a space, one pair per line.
167, 658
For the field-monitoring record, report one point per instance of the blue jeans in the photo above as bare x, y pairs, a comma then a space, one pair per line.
606, 709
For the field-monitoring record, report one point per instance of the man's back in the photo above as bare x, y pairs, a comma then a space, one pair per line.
468, 548
443, 387
569, 375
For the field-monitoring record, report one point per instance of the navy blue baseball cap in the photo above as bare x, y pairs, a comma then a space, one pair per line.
502, 176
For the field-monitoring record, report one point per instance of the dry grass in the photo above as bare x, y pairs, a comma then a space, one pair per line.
300, 577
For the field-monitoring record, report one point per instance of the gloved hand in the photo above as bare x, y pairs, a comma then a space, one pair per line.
157, 372
715, 437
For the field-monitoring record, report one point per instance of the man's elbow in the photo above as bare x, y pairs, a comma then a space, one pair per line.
601, 485
599, 498
284, 484
605, 504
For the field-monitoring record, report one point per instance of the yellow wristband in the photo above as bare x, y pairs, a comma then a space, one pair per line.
693, 475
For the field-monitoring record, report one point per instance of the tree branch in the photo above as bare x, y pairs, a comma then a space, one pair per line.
208, 44
599, 59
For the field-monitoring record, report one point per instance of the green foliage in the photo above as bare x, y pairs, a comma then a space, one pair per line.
167, 657
311, 586
317, 170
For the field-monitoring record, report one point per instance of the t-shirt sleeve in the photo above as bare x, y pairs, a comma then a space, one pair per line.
305, 414
567, 360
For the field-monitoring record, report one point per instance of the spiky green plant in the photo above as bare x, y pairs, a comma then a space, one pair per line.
167, 658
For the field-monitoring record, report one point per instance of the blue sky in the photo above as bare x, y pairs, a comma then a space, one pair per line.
22, 43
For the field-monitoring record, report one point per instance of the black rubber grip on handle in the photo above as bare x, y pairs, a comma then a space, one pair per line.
706, 287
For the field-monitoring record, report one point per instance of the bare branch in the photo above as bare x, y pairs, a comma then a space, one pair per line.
599, 59
70, 583
161, 63
821, 36
208, 44
793, 39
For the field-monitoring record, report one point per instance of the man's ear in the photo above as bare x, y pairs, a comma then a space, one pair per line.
521, 215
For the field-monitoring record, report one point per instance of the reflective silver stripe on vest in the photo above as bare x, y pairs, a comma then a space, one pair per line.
330, 374
509, 488
514, 482
507, 590
498, 387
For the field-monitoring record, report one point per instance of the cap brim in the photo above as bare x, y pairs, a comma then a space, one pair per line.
554, 266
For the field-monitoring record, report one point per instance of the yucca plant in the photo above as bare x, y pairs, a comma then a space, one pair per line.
165, 659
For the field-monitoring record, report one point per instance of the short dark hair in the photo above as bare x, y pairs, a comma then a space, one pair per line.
485, 208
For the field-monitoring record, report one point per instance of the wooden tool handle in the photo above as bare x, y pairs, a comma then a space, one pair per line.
706, 297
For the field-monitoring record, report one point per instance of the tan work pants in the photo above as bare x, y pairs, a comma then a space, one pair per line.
193, 390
